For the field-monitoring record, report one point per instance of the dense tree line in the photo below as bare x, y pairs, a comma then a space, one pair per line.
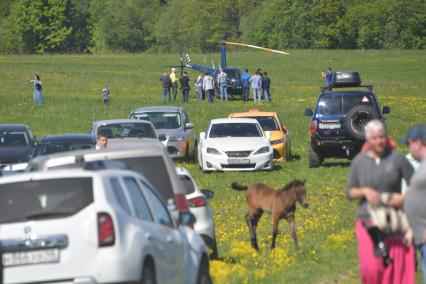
79, 26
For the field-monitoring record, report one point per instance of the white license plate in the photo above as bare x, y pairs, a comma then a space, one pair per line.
30, 257
329, 126
238, 161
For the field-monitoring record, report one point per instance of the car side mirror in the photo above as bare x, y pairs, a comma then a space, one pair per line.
386, 110
202, 135
189, 125
162, 137
284, 128
308, 112
208, 194
187, 218
268, 134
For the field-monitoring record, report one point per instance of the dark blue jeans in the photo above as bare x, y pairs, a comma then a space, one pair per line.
266, 95
422, 249
166, 94
185, 95
210, 94
246, 92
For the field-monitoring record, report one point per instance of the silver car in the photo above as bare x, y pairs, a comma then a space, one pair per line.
124, 131
174, 129
200, 207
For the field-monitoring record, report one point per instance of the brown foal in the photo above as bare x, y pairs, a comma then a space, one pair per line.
280, 203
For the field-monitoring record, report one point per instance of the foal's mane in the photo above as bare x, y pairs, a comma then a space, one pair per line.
291, 185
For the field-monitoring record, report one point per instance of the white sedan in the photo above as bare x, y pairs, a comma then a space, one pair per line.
234, 144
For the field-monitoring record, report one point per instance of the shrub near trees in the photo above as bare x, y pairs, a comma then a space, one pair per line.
80, 26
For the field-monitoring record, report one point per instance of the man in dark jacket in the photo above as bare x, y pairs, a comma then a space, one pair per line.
266, 84
184, 86
165, 83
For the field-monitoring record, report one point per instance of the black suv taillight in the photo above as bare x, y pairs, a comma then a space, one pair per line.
106, 233
313, 127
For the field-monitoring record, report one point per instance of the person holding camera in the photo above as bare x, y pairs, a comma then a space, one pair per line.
374, 174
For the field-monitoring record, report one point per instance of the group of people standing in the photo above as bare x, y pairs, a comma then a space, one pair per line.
260, 84
206, 85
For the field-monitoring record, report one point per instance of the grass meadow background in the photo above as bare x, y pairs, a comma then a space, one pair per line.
73, 99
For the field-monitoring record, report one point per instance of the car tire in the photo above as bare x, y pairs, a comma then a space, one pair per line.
215, 252
356, 119
288, 149
148, 273
203, 276
315, 158
195, 152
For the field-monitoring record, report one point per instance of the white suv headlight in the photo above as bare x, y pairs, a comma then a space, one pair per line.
213, 151
262, 150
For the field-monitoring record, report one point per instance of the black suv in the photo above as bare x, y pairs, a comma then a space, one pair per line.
341, 113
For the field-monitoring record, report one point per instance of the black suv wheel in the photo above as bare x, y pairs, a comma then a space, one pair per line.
356, 119
315, 158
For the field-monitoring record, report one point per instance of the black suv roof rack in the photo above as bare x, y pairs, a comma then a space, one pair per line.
324, 89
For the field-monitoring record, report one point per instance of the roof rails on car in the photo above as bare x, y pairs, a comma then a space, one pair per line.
95, 165
345, 79
104, 165
329, 89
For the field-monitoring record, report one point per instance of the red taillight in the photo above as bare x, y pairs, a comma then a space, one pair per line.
106, 232
313, 127
199, 201
181, 202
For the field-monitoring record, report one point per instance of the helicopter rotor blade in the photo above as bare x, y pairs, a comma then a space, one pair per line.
256, 47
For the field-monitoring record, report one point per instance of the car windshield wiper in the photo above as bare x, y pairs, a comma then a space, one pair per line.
48, 214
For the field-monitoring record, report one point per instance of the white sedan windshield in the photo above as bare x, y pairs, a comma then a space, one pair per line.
235, 130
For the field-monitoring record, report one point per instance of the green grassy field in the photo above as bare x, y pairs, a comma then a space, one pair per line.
73, 99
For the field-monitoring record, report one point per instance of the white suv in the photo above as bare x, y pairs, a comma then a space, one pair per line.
76, 226
150, 159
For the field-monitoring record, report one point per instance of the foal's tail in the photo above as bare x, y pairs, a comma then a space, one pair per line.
235, 185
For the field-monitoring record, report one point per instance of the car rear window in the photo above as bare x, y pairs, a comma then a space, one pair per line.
187, 184
155, 171
128, 130
51, 148
161, 120
342, 103
13, 139
44, 199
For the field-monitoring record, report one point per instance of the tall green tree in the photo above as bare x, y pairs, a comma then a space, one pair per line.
125, 25
197, 24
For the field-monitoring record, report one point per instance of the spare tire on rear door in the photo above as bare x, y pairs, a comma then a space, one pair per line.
356, 119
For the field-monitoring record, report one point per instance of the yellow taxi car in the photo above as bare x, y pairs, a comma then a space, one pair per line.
280, 135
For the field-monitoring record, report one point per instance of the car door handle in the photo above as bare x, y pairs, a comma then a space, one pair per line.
169, 239
148, 236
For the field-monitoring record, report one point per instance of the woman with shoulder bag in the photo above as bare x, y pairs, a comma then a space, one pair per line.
375, 180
